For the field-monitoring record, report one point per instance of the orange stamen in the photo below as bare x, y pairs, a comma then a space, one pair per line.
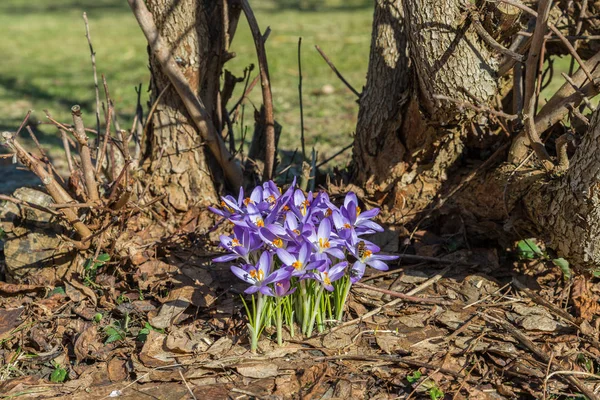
297, 265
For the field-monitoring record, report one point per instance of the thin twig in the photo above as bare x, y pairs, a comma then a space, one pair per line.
192, 103
263, 66
300, 98
24, 122
93, 57
85, 154
405, 297
319, 165
67, 148
109, 110
491, 41
531, 73
187, 385
334, 69
20, 202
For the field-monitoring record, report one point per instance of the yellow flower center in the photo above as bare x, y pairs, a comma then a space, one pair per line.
271, 199
286, 208
226, 207
367, 254
235, 242
297, 265
358, 210
324, 243
278, 243
328, 212
347, 226
260, 223
296, 231
247, 201
257, 274
326, 279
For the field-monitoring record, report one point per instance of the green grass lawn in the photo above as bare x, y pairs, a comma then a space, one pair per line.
46, 63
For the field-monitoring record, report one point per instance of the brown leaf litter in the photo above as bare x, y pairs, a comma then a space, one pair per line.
464, 322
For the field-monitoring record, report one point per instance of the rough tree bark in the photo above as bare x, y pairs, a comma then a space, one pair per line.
428, 68
177, 162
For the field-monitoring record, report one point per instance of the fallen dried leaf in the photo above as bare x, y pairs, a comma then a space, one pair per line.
258, 370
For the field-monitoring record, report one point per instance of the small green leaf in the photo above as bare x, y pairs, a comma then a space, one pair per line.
414, 376
103, 258
2, 234
596, 273
528, 249
435, 393
113, 338
564, 267
59, 375
57, 290
97, 317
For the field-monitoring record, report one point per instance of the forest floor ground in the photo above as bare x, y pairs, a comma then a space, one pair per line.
455, 318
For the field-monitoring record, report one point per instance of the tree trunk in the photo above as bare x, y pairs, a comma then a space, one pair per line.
428, 69
177, 162
419, 49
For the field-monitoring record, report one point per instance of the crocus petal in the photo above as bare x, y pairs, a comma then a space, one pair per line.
257, 195
370, 225
251, 290
324, 229
350, 197
285, 257
337, 271
357, 272
241, 273
368, 214
264, 263
337, 253
226, 258
377, 264
267, 291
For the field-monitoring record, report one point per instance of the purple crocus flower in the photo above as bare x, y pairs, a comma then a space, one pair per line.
240, 244
300, 262
329, 275
324, 243
356, 218
260, 275
365, 255
282, 288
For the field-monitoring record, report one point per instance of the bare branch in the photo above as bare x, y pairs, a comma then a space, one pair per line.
93, 57
54, 189
85, 154
263, 67
334, 69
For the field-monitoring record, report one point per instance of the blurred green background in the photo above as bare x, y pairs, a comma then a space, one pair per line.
46, 63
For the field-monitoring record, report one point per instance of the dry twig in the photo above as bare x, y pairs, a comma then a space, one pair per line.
263, 66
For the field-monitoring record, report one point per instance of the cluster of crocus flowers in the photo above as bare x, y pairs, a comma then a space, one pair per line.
299, 254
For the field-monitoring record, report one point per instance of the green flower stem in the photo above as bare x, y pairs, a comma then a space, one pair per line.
279, 319
289, 313
315, 310
305, 306
340, 301
255, 327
